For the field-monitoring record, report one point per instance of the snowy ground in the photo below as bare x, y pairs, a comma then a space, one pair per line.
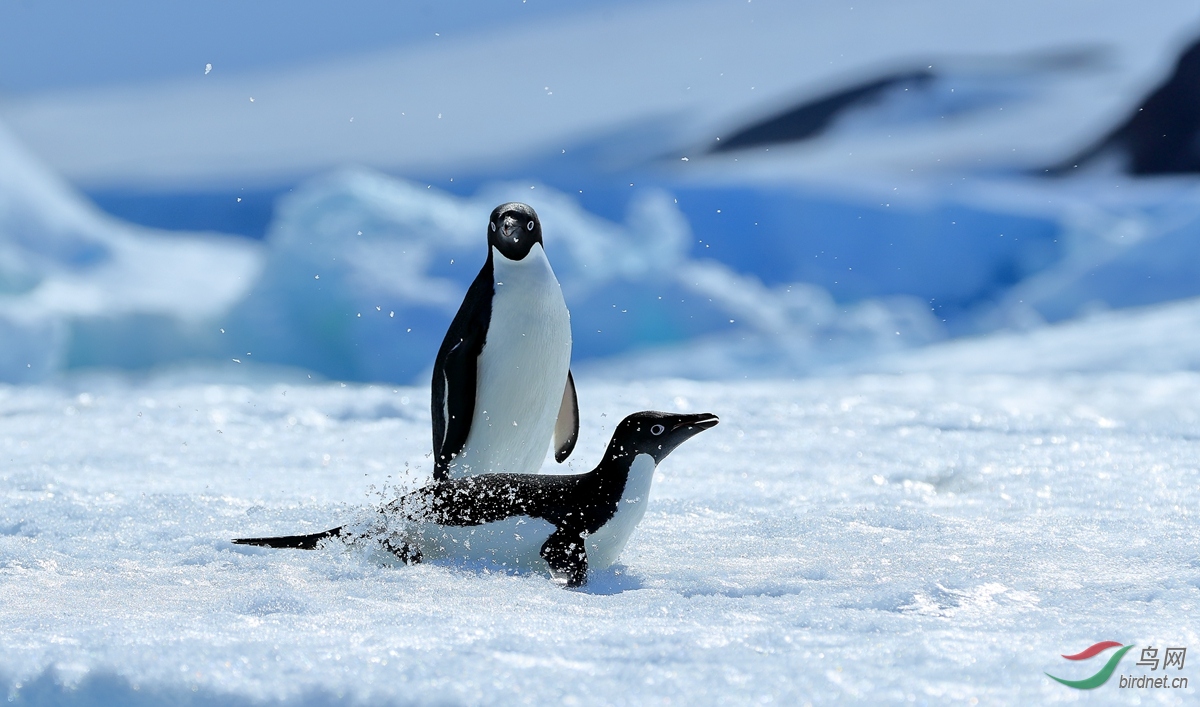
909, 537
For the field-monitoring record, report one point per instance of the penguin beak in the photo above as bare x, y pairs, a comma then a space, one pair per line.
509, 228
702, 421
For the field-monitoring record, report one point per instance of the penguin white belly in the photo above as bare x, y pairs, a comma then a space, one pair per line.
521, 371
513, 542
605, 545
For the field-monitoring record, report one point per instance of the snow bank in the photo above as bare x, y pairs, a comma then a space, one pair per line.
1161, 338
1136, 250
77, 287
844, 540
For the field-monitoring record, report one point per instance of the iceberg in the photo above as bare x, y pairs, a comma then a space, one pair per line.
79, 288
363, 273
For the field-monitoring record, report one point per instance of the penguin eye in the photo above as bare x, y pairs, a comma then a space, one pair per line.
657, 430
529, 226
493, 227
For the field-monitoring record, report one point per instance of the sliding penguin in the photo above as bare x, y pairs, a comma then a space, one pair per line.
502, 380
569, 523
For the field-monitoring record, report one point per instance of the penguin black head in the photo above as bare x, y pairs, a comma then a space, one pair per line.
657, 433
513, 229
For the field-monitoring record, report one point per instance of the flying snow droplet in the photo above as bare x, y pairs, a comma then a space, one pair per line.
207, 68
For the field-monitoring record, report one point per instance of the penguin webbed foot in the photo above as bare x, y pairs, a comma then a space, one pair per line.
572, 582
408, 554
566, 555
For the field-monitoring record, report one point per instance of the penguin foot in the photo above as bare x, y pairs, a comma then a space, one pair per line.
408, 554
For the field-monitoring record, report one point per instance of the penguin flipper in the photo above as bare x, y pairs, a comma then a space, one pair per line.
297, 542
455, 371
566, 428
566, 555
456, 408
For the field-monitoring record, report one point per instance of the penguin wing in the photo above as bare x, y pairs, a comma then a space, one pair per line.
452, 399
566, 429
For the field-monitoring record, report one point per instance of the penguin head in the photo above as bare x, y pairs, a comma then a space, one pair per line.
513, 229
657, 433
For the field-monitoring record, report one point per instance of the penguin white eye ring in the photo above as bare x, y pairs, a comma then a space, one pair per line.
529, 226
657, 430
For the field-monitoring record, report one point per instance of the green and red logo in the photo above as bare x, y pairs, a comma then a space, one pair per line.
1172, 658
1104, 673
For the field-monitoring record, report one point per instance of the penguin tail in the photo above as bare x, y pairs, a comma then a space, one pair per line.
297, 542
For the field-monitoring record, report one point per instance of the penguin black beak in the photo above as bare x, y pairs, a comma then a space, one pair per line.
509, 227
703, 421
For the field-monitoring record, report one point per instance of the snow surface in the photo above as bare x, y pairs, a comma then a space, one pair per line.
876, 538
930, 525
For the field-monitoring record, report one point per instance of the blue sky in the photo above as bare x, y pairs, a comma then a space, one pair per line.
52, 44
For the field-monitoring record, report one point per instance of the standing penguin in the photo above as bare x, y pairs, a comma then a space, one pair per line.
502, 380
